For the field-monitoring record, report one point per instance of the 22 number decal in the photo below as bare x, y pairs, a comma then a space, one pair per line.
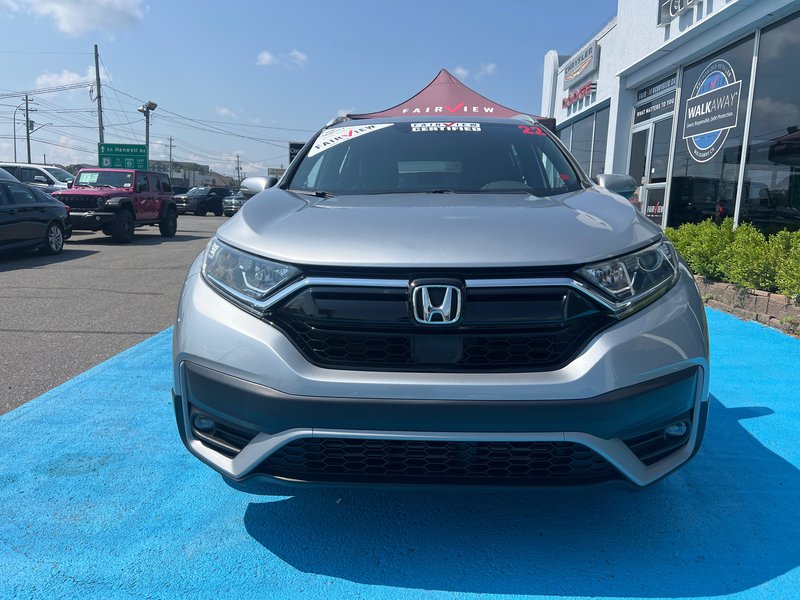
531, 130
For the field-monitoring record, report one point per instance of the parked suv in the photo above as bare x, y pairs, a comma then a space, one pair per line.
47, 178
116, 201
201, 200
444, 302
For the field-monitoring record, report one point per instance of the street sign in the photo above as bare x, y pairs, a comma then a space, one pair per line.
122, 156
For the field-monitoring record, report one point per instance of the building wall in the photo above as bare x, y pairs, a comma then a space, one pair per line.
636, 52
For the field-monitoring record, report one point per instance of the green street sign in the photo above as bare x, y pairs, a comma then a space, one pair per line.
122, 156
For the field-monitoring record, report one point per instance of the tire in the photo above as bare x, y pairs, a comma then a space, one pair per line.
169, 224
218, 213
106, 229
122, 227
53, 240
201, 210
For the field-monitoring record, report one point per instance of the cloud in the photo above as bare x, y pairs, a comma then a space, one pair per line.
9, 5
266, 59
77, 17
295, 59
223, 111
298, 58
66, 77
486, 69
461, 73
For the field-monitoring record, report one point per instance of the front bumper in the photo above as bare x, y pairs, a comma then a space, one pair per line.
91, 220
632, 381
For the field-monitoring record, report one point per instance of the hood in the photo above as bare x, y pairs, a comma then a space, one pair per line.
439, 230
91, 191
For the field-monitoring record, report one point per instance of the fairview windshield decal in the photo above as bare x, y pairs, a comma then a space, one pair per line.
333, 137
712, 110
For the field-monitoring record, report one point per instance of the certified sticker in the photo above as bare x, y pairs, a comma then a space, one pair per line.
420, 127
333, 137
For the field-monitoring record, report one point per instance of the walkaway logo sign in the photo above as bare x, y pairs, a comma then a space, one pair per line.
712, 110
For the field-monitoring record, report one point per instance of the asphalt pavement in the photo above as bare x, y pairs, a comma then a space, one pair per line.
62, 315
99, 499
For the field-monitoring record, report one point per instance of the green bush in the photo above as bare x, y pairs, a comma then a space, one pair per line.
704, 246
742, 256
748, 261
785, 248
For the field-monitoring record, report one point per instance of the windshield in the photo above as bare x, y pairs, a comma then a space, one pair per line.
197, 191
117, 179
60, 174
437, 157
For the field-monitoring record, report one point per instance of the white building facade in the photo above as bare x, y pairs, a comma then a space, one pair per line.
698, 100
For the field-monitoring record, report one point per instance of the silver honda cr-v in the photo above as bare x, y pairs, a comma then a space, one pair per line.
421, 301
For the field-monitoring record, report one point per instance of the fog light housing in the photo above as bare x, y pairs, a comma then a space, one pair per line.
204, 424
677, 430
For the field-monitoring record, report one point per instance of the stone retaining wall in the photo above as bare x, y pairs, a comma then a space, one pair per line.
775, 310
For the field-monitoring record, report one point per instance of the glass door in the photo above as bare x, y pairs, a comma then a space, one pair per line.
648, 165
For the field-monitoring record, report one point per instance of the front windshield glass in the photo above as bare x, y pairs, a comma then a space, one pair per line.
197, 191
60, 174
117, 179
436, 157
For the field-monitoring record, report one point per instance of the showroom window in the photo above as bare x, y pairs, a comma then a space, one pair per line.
587, 139
771, 191
708, 145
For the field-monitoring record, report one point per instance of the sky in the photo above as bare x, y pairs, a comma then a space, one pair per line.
247, 77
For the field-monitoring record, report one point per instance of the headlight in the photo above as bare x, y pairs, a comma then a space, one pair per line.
244, 277
627, 280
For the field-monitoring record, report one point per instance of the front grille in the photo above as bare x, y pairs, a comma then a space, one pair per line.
502, 329
438, 462
79, 201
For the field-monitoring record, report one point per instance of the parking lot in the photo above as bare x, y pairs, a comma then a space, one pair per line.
100, 499
62, 315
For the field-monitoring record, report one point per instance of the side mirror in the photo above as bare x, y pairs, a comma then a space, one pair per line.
40, 179
253, 185
624, 185
70, 183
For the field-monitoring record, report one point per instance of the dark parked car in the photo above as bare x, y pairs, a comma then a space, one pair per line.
6, 176
30, 218
201, 200
231, 204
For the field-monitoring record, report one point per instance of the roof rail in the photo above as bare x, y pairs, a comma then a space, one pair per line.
336, 121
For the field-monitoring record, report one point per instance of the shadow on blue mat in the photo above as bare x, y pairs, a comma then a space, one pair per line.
725, 523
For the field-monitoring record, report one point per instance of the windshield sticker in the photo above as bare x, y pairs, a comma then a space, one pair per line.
89, 177
333, 137
531, 130
420, 127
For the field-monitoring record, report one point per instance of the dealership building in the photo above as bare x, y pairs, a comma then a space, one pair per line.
698, 100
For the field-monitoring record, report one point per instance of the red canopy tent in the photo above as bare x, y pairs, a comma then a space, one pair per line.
447, 96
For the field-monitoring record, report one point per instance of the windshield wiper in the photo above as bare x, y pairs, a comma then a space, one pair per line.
442, 191
317, 193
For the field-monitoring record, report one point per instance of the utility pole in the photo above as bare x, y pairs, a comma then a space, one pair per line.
99, 95
170, 160
238, 172
27, 128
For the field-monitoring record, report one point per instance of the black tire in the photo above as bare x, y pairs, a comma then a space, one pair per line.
106, 229
53, 240
218, 213
169, 224
122, 227
201, 210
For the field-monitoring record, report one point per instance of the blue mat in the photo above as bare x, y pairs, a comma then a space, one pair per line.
98, 498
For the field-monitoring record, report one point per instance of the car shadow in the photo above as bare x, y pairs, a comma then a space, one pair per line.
726, 522
139, 239
27, 259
